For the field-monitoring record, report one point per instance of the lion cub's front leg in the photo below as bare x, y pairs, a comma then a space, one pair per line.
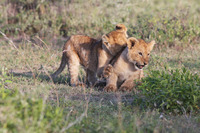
129, 84
111, 79
108, 70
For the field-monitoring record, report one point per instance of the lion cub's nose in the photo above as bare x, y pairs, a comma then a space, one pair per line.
145, 63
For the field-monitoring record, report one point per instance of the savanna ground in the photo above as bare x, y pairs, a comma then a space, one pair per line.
31, 39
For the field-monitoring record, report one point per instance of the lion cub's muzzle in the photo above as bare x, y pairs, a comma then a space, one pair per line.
140, 66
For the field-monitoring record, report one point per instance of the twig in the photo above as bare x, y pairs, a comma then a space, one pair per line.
9, 40
12, 44
74, 122
54, 88
84, 114
42, 41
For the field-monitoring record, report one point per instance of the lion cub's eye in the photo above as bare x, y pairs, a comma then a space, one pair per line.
140, 53
148, 54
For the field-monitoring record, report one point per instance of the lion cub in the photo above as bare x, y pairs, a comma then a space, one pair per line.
92, 54
128, 66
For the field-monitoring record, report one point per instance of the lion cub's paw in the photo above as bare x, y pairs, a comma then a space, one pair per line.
110, 88
125, 88
107, 71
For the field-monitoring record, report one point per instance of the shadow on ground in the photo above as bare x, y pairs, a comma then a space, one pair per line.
41, 76
99, 96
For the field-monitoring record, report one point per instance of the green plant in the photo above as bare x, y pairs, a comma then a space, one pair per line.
3, 81
21, 113
177, 91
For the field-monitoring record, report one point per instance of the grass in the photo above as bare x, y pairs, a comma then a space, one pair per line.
28, 69
31, 102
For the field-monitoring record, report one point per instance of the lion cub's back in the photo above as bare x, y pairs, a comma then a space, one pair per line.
81, 45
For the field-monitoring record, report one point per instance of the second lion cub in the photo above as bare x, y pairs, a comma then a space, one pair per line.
128, 66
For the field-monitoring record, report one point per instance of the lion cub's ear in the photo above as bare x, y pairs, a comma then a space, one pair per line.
121, 28
131, 42
151, 45
105, 40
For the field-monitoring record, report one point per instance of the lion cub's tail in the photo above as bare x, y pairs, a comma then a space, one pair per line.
62, 66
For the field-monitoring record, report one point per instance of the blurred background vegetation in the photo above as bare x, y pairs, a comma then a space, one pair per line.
170, 23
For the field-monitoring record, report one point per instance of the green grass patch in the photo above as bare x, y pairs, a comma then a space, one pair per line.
177, 91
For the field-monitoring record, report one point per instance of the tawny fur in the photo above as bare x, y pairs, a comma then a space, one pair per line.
92, 54
121, 28
128, 66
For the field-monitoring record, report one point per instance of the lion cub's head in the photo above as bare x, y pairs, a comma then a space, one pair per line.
139, 52
115, 40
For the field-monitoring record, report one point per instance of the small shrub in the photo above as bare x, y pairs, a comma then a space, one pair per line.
177, 91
